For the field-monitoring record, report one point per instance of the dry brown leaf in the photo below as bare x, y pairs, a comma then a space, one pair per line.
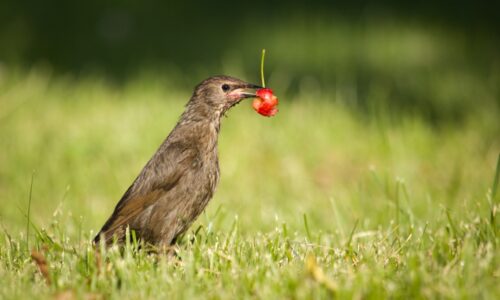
42, 264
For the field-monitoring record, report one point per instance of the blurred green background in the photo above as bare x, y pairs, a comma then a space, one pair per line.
438, 58
88, 90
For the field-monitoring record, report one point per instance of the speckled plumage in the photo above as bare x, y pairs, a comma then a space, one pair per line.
179, 180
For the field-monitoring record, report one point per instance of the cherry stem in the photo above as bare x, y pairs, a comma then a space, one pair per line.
262, 68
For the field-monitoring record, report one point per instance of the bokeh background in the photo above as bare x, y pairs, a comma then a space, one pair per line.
377, 98
407, 51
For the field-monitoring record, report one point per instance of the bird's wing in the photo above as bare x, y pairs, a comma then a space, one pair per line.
159, 175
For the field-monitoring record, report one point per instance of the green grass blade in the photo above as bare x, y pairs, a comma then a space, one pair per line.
29, 211
495, 181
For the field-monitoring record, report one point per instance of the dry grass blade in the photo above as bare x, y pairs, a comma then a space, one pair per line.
317, 274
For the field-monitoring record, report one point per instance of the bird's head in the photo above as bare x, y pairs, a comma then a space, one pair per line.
217, 94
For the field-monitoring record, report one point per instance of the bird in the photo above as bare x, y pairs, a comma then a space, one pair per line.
179, 180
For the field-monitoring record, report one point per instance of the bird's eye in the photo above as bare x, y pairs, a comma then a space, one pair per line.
225, 87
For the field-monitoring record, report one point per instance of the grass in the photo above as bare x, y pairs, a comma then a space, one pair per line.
320, 201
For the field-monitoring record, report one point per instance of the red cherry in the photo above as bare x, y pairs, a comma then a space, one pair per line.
270, 112
264, 107
273, 112
265, 93
273, 101
257, 103
265, 103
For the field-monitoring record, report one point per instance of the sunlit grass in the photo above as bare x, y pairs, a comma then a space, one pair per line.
394, 206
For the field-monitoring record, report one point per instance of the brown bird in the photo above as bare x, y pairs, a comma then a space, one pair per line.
178, 181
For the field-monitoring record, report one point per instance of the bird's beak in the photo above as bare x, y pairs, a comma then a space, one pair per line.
245, 90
